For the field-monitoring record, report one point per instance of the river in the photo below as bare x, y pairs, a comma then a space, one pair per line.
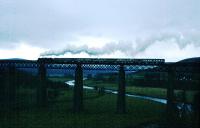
180, 106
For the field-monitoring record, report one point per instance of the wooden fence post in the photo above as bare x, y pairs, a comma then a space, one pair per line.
78, 89
121, 101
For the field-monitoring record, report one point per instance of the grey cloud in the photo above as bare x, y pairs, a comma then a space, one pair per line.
37, 23
50, 24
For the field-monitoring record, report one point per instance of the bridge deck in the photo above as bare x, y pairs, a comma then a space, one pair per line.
102, 61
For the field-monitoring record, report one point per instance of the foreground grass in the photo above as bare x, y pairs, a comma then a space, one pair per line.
99, 112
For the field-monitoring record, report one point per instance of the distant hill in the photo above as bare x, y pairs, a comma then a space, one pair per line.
13, 59
195, 59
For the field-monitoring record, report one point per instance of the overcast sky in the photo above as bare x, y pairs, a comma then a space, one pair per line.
168, 29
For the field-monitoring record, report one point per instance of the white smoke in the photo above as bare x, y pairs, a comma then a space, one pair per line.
108, 48
138, 47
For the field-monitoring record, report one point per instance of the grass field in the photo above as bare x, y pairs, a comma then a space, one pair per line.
99, 112
147, 91
99, 109
60, 79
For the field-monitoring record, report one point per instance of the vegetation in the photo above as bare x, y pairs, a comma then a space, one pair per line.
60, 79
147, 91
99, 109
99, 112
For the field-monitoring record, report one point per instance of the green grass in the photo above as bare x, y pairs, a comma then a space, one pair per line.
25, 97
99, 112
99, 109
60, 79
155, 92
148, 91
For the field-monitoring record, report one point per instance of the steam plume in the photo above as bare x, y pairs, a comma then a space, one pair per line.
126, 47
